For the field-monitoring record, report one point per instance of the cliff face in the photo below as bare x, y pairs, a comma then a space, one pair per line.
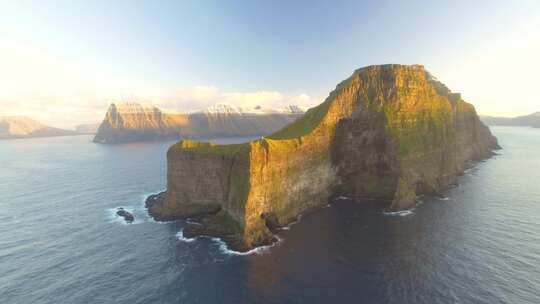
390, 132
134, 122
24, 127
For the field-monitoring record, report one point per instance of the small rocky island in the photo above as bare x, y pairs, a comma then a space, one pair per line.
388, 132
128, 216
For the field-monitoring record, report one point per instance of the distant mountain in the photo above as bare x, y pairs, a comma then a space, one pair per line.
87, 128
532, 120
24, 127
128, 122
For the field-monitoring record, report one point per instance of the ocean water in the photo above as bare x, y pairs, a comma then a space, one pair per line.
60, 241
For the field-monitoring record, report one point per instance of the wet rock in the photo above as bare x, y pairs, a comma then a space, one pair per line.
128, 216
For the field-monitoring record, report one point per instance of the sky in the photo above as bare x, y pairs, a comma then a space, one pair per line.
63, 62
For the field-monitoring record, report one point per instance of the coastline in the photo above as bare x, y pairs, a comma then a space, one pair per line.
211, 225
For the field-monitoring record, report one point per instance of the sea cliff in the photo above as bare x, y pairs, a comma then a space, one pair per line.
130, 122
388, 132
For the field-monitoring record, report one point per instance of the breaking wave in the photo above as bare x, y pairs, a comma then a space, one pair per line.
223, 246
407, 212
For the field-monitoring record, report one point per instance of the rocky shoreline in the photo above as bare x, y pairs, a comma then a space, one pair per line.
214, 225
209, 224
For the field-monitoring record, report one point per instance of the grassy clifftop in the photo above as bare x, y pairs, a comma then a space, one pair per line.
207, 147
387, 132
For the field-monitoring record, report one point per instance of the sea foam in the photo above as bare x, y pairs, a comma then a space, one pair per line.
223, 246
399, 213
258, 250
181, 237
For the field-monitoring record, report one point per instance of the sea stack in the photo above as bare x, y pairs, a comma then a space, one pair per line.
128, 216
388, 132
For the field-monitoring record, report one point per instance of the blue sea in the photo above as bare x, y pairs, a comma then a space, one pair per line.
61, 242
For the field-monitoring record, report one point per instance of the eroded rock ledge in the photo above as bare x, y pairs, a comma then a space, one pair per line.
389, 132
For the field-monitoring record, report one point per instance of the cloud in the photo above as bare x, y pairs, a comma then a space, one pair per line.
200, 97
62, 92
69, 110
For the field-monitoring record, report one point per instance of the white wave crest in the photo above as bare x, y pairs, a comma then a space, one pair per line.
138, 209
399, 213
181, 237
223, 246
258, 250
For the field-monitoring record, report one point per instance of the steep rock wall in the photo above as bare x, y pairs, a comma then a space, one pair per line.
133, 122
390, 132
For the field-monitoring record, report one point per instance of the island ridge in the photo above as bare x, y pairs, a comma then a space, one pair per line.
388, 132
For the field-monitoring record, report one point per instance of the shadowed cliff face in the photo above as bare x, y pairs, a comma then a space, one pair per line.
134, 122
390, 132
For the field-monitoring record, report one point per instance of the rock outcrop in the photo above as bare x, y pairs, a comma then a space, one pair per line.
24, 127
128, 122
389, 132
128, 216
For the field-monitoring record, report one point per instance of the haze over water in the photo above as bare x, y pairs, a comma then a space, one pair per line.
61, 242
